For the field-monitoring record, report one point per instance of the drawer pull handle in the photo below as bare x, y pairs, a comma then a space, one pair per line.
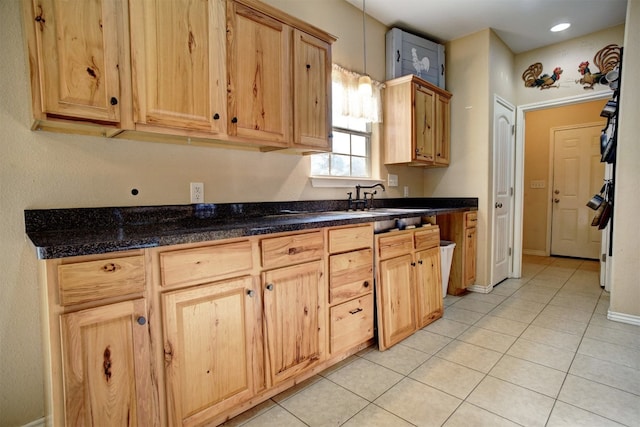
110, 267
251, 293
366, 284
270, 287
293, 251
356, 311
141, 320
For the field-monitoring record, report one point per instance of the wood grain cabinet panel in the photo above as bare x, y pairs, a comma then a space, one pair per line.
429, 304
311, 91
294, 319
350, 238
350, 275
107, 374
208, 349
179, 65
460, 227
417, 123
292, 249
79, 58
95, 280
204, 264
351, 323
258, 75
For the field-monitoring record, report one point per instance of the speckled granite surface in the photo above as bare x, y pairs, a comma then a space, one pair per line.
58, 233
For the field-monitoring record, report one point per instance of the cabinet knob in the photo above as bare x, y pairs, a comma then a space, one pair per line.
366, 284
216, 116
114, 100
251, 293
141, 320
234, 120
420, 262
413, 264
270, 287
308, 66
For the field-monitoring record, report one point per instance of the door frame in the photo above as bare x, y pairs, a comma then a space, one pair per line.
519, 163
552, 147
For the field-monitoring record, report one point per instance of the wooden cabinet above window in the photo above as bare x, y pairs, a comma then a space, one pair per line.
417, 123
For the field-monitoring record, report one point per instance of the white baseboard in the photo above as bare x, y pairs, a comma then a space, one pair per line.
623, 318
534, 252
37, 423
480, 289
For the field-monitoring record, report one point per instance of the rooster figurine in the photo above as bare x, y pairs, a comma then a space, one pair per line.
532, 77
606, 59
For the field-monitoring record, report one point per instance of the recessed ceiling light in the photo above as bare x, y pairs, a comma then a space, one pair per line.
560, 27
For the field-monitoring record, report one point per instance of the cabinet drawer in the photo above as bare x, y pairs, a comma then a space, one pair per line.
350, 274
351, 323
470, 219
197, 265
95, 280
292, 249
395, 244
428, 237
349, 239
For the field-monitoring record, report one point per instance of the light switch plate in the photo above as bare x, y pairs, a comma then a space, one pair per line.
392, 180
538, 183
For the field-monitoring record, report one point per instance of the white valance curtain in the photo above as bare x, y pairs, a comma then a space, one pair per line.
348, 101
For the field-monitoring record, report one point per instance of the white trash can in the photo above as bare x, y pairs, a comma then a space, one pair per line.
446, 256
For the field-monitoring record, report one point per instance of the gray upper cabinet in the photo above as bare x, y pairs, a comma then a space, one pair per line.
410, 54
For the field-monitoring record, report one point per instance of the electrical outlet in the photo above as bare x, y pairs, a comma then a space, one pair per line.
197, 192
392, 180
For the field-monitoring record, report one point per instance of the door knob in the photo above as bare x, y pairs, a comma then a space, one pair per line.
557, 192
498, 205
556, 200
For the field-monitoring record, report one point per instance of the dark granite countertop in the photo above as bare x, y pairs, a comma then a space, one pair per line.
58, 233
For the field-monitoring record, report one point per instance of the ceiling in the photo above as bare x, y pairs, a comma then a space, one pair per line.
522, 24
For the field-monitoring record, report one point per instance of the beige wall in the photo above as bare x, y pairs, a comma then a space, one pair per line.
46, 170
537, 164
567, 55
625, 286
467, 64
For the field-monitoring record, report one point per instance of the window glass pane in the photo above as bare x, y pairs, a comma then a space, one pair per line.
358, 145
340, 165
341, 143
320, 164
359, 167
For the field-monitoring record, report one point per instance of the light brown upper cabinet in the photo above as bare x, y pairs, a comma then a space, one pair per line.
311, 92
258, 86
417, 128
236, 71
79, 59
178, 65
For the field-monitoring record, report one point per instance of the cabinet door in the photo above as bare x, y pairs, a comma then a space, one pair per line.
259, 75
428, 286
208, 349
469, 262
107, 367
79, 44
396, 300
424, 124
443, 130
292, 316
312, 91
178, 56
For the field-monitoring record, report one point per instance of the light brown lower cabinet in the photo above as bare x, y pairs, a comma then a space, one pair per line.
460, 227
409, 290
195, 334
209, 334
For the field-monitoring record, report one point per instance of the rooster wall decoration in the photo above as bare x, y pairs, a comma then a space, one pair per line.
532, 77
419, 64
606, 59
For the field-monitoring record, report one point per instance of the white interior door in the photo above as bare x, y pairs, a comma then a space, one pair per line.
577, 176
503, 183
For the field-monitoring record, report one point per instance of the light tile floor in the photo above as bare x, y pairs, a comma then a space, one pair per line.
536, 351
